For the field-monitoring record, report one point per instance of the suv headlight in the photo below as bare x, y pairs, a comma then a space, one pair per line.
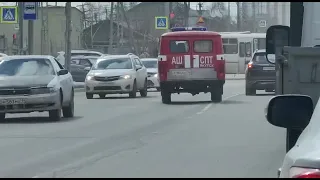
155, 75
44, 90
126, 77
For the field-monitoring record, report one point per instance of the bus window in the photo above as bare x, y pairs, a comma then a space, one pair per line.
259, 43
230, 46
242, 51
248, 49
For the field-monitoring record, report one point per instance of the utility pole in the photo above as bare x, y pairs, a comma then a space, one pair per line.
238, 16
44, 28
170, 11
276, 6
118, 26
254, 17
186, 13
20, 8
68, 35
200, 8
110, 49
229, 17
30, 37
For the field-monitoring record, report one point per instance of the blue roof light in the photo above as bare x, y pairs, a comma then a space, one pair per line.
175, 29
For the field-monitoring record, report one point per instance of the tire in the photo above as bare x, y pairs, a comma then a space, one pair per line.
2, 116
55, 115
166, 97
133, 93
89, 95
68, 112
102, 95
216, 97
144, 91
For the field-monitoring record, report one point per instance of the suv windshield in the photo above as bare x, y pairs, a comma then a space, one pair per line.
121, 63
26, 67
150, 64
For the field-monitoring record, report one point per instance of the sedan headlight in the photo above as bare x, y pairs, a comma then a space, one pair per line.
155, 75
88, 78
126, 77
44, 90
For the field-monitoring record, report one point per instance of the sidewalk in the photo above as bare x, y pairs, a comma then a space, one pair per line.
235, 76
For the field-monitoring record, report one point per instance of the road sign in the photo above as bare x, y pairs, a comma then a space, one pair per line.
9, 14
262, 23
161, 22
30, 10
200, 20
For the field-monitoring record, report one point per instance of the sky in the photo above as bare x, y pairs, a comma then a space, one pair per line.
193, 5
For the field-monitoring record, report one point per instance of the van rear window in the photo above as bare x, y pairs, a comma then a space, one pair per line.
179, 46
202, 46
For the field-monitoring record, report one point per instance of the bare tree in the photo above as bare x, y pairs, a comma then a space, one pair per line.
217, 9
136, 51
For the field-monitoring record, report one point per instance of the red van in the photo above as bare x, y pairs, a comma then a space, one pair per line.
191, 61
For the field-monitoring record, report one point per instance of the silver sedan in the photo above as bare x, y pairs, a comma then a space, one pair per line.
35, 83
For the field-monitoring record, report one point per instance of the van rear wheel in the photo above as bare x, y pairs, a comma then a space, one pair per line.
166, 97
216, 97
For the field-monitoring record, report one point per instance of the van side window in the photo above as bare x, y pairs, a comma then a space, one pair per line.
202, 46
242, 51
179, 46
230, 45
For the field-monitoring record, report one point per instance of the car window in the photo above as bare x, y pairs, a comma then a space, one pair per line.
230, 45
75, 61
260, 58
26, 67
179, 46
150, 64
121, 63
85, 62
202, 46
138, 62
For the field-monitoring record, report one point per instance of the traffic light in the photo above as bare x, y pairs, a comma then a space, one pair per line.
14, 39
172, 20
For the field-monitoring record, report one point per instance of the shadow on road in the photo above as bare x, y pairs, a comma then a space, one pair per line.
35, 120
189, 102
266, 94
233, 102
124, 97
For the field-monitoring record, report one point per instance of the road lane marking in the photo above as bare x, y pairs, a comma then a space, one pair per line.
209, 105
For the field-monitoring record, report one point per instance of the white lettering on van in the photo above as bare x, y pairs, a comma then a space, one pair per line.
177, 60
206, 61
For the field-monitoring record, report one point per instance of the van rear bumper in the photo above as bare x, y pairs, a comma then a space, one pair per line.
192, 86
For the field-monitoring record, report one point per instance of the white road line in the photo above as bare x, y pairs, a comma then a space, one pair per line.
209, 105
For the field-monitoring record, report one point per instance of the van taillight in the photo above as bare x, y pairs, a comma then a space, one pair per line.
296, 172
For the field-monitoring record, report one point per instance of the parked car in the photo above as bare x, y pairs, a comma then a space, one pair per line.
152, 69
117, 74
85, 53
78, 67
35, 83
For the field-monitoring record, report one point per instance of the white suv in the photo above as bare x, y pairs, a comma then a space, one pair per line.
117, 74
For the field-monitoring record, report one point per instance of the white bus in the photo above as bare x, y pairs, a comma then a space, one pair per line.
239, 47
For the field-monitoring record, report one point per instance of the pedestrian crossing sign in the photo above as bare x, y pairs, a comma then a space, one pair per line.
9, 14
161, 22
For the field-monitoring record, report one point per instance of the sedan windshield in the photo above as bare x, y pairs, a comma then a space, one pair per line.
150, 64
26, 67
123, 63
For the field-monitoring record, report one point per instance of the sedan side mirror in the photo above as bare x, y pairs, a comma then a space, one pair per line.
87, 68
138, 67
290, 111
63, 72
277, 37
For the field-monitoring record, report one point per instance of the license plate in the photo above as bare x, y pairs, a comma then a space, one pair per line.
181, 73
12, 101
268, 68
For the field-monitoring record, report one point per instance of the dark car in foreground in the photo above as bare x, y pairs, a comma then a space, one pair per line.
260, 74
80, 66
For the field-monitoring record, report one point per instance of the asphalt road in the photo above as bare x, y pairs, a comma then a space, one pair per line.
122, 137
